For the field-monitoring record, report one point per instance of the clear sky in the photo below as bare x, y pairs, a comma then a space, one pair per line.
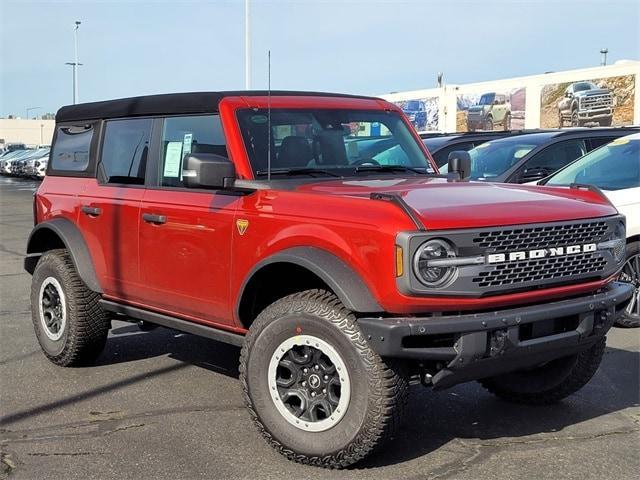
368, 47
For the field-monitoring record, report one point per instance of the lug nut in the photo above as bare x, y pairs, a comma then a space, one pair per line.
313, 394
326, 377
305, 370
317, 367
304, 384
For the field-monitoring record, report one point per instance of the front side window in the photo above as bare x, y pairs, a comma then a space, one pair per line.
184, 135
337, 141
557, 156
612, 167
487, 99
125, 150
71, 148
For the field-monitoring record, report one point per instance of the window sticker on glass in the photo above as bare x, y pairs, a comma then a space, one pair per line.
186, 143
173, 159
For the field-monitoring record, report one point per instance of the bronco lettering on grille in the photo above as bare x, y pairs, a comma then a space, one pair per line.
541, 253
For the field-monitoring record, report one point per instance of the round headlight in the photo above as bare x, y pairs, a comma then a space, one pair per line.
427, 265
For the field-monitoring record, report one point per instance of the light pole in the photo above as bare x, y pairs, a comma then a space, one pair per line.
75, 64
31, 108
75, 70
247, 47
41, 127
604, 52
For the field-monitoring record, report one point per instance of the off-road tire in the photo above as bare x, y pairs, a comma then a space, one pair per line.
87, 324
378, 388
506, 122
625, 320
575, 120
606, 122
560, 120
550, 382
488, 124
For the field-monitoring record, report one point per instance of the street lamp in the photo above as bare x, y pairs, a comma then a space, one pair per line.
247, 47
75, 64
32, 108
604, 52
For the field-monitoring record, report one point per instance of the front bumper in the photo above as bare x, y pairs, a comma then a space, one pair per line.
479, 345
595, 113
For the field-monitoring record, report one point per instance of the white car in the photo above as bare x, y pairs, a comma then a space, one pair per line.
615, 169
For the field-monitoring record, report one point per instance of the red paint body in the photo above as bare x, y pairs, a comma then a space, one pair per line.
195, 264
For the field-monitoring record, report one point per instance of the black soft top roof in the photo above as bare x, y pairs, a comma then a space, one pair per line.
170, 103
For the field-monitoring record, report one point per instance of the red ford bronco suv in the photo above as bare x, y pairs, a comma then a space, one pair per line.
312, 230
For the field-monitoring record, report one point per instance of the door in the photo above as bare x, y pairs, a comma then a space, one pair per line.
110, 207
185, 235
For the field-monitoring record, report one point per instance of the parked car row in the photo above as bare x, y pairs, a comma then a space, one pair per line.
30, 163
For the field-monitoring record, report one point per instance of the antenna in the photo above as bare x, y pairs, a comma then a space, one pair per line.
269, 116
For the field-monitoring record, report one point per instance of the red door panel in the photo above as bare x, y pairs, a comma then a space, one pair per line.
108, 219
185, 261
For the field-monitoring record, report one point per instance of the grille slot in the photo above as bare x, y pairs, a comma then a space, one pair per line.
540, 237
552, 269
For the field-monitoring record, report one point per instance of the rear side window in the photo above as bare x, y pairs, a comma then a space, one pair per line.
71, 148
125, 150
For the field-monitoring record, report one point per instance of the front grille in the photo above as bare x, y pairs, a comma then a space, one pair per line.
597, 101
540, 237
542, 270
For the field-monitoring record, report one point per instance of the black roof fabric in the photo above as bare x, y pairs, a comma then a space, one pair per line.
170, 103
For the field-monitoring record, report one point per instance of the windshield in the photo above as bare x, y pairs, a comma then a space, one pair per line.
579, 87
487, 99
612, 167
330, 141
492, 159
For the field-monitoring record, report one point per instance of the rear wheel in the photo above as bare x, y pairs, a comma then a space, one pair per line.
630, 317
506, 123
70, 325
315, 389
548, 383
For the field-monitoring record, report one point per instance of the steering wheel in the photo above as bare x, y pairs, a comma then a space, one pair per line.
366, 161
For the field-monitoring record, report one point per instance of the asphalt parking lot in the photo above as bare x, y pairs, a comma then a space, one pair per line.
162, 404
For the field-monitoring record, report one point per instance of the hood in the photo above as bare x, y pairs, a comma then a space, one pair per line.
442, 205
587, 93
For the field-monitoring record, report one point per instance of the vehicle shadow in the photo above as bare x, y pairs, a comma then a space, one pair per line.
433, 418
127, 343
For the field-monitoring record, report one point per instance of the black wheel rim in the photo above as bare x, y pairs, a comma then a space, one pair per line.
308, 383
52, 308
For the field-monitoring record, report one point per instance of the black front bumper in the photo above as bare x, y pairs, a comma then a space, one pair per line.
480, 345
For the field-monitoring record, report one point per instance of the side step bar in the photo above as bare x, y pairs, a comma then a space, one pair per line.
173, 322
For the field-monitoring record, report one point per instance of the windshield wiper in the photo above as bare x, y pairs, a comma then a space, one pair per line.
299, 171
391, 168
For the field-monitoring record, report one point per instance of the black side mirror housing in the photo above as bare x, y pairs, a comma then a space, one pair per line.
460, 162
208, 170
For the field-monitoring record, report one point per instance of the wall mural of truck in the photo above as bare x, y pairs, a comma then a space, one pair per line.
588, 103
491, 110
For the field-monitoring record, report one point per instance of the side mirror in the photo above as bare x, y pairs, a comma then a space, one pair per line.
208, 170
460, 162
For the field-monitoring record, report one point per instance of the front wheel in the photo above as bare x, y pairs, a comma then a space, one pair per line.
315, 389
488, 124
575, 120
548, 383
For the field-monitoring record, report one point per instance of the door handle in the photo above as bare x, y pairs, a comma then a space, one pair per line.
91, 211
155, 219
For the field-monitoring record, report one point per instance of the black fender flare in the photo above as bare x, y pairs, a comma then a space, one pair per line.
74, 243
339, 277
